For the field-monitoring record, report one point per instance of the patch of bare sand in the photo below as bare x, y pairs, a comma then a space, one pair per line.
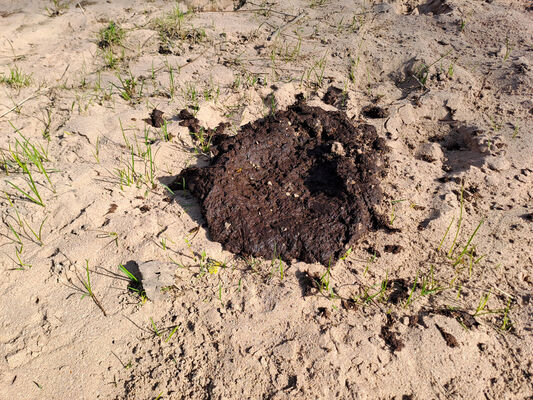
403, 316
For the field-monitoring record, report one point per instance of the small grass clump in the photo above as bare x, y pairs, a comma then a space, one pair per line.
202, 142
112, 34
134, 284
422, 71
25, 157
112, 60
16, 78
171, 27
128, 87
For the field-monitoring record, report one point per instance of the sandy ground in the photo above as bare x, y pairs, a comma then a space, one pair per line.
439, 309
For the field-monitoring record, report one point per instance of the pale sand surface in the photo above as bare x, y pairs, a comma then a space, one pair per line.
248, 331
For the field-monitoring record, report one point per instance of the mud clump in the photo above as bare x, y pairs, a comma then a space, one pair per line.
156, 118
450, 340
336, 97
299, 184
393, 342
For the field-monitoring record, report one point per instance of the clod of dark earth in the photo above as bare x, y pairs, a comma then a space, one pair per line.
336, 97
190, 121
391, 337
164, 49
374, 112
301, 184
393, 248
400, 291
349, 304
308, 283
156, 118
528, 217
450, 340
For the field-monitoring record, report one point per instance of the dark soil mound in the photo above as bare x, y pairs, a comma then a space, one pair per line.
300, 184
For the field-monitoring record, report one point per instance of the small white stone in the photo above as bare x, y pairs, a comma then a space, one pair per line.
286, 350
493, 180
155, 276
212, 318
325, 343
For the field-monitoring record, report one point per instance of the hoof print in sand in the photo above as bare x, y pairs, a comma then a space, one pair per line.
299, 184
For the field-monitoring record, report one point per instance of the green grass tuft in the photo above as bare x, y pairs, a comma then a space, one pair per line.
16, 78
112, 34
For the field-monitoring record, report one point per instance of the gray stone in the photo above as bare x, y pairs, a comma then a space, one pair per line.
156, 275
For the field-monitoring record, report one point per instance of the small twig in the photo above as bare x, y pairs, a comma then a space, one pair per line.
146, 41
504, 292
190, 61
64, 72
19, 104
79, 5
268, 10
119, 360
98, 304
280, 28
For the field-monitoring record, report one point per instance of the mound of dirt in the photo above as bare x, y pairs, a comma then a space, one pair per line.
299, 184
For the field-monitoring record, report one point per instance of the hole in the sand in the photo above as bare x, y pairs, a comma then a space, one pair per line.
299, 184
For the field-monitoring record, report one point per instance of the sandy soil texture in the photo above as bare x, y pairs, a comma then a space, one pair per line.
111, 286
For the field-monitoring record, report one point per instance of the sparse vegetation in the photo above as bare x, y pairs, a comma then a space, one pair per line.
96, 127
89, 289
172, 26
110, 35
128, 87
16, 78
422, 71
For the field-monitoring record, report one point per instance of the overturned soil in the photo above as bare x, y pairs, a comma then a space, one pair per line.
299, 184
